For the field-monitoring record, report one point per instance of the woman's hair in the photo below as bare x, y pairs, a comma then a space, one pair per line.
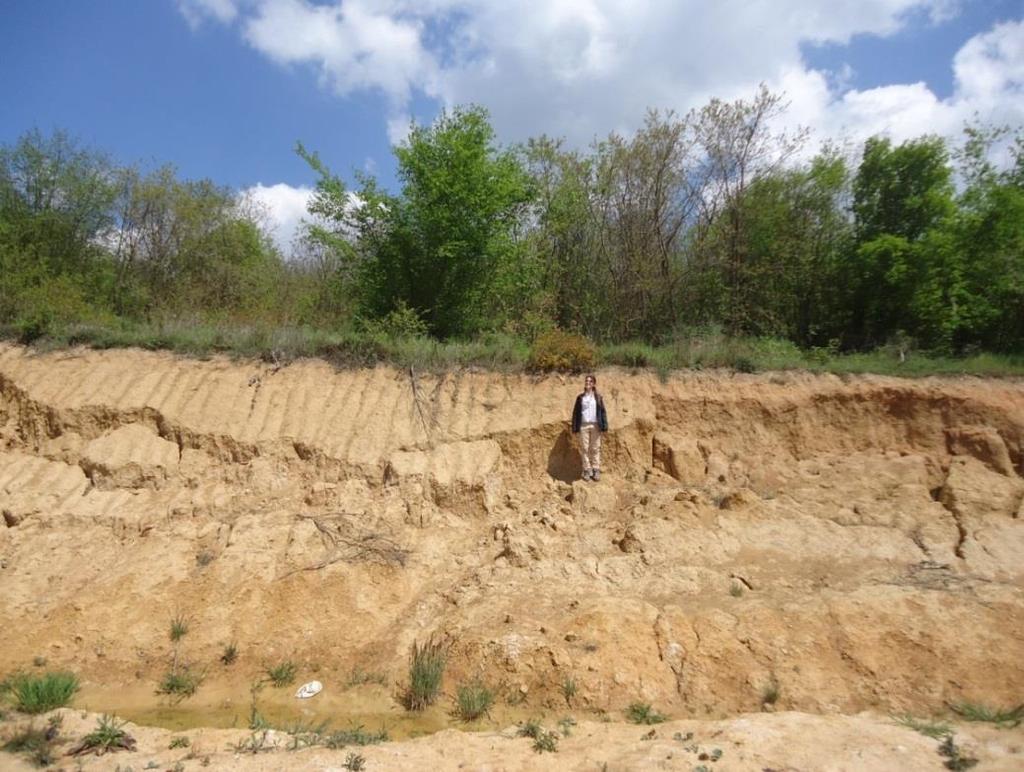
591, 377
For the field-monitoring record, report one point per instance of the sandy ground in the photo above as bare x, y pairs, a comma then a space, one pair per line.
854, 543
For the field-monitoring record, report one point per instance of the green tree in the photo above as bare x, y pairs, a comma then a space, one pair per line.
448, 243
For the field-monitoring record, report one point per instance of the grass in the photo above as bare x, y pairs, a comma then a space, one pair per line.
358, 676
230, 653
283, 673
355, 762
569, 689
257, 742
473, 700
355, 736
426, 671
970, 711
771, 692
108, 736
179, 628
41, 693
543, 739
180, 683
644, 713
702, 349
933, 729
179, 742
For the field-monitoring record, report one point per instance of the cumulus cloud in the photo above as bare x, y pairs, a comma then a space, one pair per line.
581, 68
285, 207
198, 11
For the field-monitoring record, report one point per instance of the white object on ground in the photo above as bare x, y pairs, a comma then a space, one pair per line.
309, 690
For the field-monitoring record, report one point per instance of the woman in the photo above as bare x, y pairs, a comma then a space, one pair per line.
589, 420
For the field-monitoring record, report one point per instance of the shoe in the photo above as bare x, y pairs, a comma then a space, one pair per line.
595, 475
586, 475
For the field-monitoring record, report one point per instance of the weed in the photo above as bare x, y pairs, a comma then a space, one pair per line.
970, 711
204, 558
771, 692
107, 737
566, 724
955, 760
545, 741
282, 674
230, 653
931, 729
529, 728
306, 735
355, 762
357, 677
736, 590
256, 720
473, 700
355, 736
39, 661
257, 742
569, 690
643, 713
179, 683
426, 670
179, 628
179, 742
42, 693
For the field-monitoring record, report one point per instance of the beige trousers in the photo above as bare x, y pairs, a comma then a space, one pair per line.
590, 447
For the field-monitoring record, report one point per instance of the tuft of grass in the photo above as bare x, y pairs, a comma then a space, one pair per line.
970, 711
283, 673
42, 693
933, 729
257, 742
569, 690
771, 692
566, 724
644, 713
230, 653
529, 728
179, 683
179, 742
473, 700
736, 590
357, 677
179, 628
107, 737
546, 742
426, 671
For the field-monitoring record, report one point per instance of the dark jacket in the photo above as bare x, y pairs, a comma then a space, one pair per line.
577, 414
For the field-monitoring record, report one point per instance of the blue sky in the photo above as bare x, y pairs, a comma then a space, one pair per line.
224, 88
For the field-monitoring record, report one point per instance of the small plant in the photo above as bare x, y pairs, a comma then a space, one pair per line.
568, 690
179, 742
355, 762
204, 558
546, 742
179, 628
256, 720
230, 653
39, 661
473, 700
931, 729
36, 743
530, 728
970, 711
357, 677
42, 693
955, 760
771, 692
566, 724
107, 737
643, 713
736, 590
179, 683
426, 670
282, 674
257, 742
355, 736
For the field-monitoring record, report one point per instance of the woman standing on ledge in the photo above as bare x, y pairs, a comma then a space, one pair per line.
590, 420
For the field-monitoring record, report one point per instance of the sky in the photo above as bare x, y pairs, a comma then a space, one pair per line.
224, 89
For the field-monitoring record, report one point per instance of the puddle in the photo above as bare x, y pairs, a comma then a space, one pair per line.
227, 705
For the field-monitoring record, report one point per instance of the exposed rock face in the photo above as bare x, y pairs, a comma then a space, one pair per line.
858, 541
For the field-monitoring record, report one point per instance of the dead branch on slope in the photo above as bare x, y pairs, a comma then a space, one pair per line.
348, 541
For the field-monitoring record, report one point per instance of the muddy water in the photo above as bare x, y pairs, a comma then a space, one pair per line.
227, 705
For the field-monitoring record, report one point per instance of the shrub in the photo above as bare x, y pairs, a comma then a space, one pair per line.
426, 670
282, 674
643, 713
40, 694
355, 762
561, 351
402, 322
546, 741
473, 700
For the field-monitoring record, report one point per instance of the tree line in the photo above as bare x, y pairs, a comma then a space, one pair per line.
713, 219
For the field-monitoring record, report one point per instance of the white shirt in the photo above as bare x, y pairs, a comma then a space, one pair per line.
589, 409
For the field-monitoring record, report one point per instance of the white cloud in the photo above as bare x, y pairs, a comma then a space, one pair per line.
197, 11
285, 207
581, 68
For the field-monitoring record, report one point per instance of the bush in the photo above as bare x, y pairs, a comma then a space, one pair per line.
426, 669
40, 694
402, 322
179, 683
562, 351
